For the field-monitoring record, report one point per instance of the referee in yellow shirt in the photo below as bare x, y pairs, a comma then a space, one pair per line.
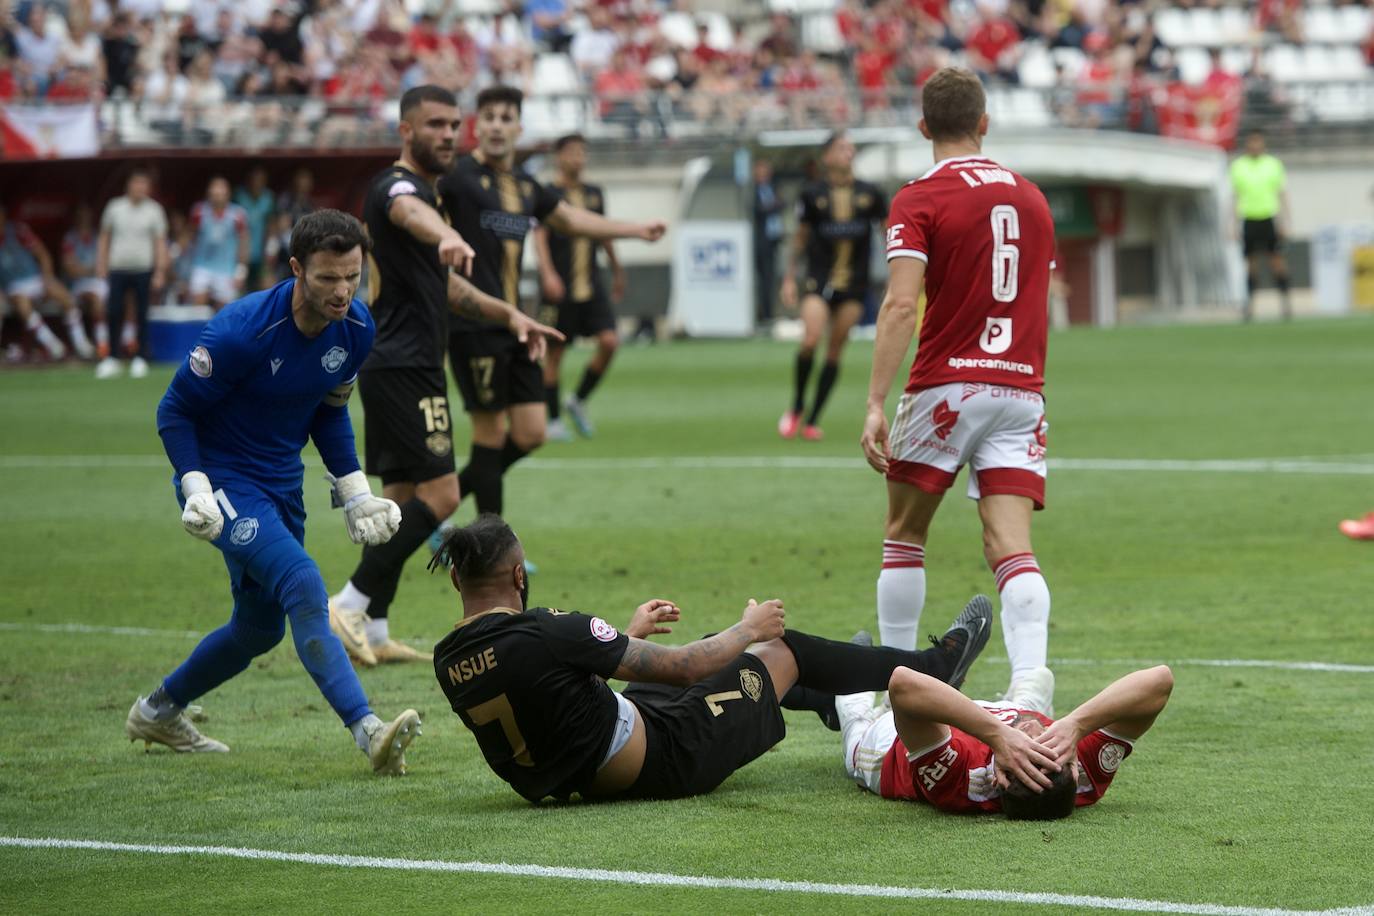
1260, 183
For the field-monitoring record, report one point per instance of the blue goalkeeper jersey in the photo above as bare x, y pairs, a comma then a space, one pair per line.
254, 389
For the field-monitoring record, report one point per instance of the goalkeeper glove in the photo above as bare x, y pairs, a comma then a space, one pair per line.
370, 520
201, 516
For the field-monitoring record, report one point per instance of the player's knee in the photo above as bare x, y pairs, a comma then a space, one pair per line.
441, 496
257, 639
301, 591
527, 440
903, 686
609, 342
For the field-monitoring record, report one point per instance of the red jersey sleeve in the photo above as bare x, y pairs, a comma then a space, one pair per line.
1099, 755
909, 224
956, 776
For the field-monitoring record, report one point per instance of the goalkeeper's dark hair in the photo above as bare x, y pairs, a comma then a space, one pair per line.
479, 550
327, 230
1022, 803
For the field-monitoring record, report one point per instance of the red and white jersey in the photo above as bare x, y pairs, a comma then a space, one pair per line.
956, 775
987, 238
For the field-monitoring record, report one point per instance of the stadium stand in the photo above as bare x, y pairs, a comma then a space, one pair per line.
319, 73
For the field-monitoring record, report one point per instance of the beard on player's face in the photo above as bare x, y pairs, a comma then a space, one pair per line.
434, 156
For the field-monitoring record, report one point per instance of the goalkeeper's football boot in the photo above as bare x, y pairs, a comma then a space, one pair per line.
1034, 691
176, 732
1359, 529
351, 628
387, 743
391, 652
967, 636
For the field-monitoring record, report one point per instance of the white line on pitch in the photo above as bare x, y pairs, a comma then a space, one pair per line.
784, 462
664, 879
1276, 664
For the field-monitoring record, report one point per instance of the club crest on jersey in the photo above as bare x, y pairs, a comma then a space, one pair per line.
996, 337
751, 683
1110, 757
603, 630
243, 532
201, 363
333, 360
402, 187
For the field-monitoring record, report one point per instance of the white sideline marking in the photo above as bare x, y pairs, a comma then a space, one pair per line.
1304, 465
663, 879
1277, 664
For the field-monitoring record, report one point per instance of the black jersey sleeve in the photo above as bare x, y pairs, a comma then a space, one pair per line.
589, 643
546, 199
877, 210
594, 199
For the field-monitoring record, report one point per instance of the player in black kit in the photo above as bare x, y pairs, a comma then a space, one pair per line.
575, 298
835, 221
402, 385
493, 203
530, 682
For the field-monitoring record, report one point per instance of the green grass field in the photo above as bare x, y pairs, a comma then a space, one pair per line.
1251, 792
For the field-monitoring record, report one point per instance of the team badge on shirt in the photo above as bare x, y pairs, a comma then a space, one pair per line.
1109, 758
751, 683
200, 361
603, 630
333, 360
243, 532
402, 187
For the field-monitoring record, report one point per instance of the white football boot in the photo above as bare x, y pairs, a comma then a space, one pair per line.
387, 743
177, 732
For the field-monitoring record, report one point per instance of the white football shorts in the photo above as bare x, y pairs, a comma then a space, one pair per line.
999, 432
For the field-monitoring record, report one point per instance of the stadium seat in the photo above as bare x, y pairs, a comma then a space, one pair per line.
1285, 64
1027, 108
1193, 65
479, 7
1204, 27
821, 33
1237, 25
1036, 67
679, 28
1171, 24
554, 74
1348, 63
1071, 59
1322, 24
1356, 22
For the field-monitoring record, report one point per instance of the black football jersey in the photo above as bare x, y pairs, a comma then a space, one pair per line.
407, 286
493, 210
531, 688
841, 219
574, 256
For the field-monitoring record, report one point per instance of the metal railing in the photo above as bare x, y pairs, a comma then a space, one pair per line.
1341, 112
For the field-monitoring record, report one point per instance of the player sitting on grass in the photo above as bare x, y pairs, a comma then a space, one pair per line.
530, 682
936, 745
270, 371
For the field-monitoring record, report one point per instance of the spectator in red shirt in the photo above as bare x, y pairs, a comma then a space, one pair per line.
76, 85
703, 51
994, 46
424, 36
1219, 82
1099, 94
620, 90
871, 67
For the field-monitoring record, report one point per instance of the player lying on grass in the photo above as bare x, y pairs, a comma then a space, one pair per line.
530, 682
270, 371
938, 746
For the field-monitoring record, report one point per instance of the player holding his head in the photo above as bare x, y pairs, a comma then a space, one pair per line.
270, 371
835, 221
938, 746
494, 202
575, 298
530, 683
981, 239
404, 391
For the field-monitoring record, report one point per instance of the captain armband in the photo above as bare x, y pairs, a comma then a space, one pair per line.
339, 395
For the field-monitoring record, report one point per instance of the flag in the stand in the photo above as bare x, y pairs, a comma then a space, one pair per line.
48, 131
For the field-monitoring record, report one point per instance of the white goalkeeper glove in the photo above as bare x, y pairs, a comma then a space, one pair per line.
370, 520
201, 517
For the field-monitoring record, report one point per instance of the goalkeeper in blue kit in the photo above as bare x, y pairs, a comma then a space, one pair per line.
270, 371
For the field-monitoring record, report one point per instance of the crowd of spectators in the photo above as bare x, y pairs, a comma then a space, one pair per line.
234, 241
194, 71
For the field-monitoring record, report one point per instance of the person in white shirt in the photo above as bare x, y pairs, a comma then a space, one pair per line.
132, 257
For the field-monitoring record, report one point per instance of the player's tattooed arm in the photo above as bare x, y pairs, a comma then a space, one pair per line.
684, 665
467, 300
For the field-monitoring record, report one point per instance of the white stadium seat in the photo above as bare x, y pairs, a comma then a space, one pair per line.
1237, 25
1322, 24
1193, 65
1036, 67
554, 74
679, 28
821, 33
1285, 64
1204, 27
1355, 23
1171, 24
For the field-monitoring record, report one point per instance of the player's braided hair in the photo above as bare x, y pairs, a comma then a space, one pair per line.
476, 550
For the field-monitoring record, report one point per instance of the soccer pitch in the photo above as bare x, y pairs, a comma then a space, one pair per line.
1197, 476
